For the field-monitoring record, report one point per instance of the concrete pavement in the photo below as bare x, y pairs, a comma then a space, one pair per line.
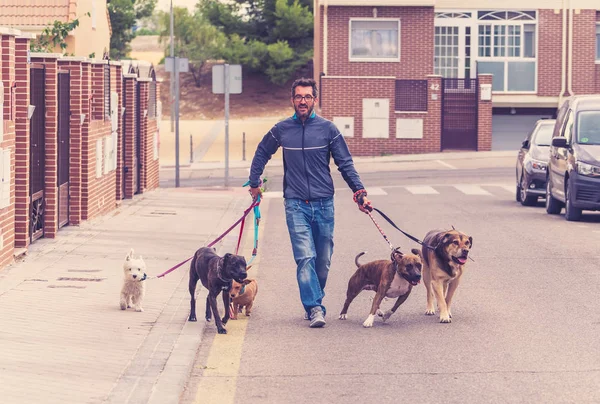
64, 338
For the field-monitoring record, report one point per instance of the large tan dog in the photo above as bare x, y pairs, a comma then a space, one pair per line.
392, 278
444, 265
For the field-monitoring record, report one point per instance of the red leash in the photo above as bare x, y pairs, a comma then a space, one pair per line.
241, 219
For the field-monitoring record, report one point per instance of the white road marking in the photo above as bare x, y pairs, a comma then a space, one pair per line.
375, 191
450, 166
421, 190
470, 189
510, 188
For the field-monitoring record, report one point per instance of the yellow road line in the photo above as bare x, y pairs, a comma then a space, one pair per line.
219, 379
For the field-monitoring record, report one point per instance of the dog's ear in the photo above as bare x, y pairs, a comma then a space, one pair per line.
248, 267
397, 254
446, 238
471, 241
129, 256
247, 281
226, 259
416, 251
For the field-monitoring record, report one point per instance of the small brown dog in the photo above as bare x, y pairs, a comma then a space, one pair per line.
444, 265
389, 278
242, 296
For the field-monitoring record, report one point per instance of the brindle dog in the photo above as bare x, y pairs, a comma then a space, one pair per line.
444, 265
388, 278
216, 274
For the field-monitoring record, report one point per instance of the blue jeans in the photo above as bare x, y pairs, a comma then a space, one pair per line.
310, 224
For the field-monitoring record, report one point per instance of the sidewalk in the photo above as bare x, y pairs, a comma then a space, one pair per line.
64, 338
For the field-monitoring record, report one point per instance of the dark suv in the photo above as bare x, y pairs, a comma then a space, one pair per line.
574, 165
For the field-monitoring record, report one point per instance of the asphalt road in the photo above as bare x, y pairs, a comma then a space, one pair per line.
525, 324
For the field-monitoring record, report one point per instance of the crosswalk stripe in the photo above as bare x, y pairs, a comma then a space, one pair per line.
376, 191
421, 190
509, 188
469, 189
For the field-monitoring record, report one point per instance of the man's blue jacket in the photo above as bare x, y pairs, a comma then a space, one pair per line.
307, 150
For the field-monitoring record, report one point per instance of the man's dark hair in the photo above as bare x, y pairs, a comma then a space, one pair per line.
304, 82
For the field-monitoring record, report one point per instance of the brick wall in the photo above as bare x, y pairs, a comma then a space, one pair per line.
549, 51
22, 156
484, 119
129, 134
584, 52
597, 67
152, 165
416, 34
99, 192
7, 214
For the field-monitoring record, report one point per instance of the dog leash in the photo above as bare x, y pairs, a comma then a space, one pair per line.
380, 229
413, 238
241, 219
257, 218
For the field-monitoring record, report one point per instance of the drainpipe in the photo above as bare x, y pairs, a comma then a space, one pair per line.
570, 84
325, 37
563, 70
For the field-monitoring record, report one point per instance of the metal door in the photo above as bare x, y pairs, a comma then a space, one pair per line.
459, 113
37, 148
64, 127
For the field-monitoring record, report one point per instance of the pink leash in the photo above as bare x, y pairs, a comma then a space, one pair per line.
241, 219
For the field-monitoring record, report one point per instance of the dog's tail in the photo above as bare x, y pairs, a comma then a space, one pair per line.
357, 257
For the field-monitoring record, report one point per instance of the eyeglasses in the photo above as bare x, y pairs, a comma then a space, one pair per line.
299, 98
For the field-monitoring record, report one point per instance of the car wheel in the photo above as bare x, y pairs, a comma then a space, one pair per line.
526, 200
518, 192
572, 214
553, 206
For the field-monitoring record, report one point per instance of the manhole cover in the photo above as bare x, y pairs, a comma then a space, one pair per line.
62, 278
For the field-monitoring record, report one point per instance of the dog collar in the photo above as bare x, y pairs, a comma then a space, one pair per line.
243, 289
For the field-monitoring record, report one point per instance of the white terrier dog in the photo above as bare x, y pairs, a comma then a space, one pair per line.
132, 292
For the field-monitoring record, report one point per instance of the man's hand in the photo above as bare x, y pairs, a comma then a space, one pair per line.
366, 205
360, 197
255, 192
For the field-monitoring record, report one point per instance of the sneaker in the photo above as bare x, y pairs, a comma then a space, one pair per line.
317, 319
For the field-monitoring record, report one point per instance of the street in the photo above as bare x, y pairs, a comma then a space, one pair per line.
524, 320
523, 326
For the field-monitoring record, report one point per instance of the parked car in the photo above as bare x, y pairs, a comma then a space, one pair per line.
532, 161
574, 165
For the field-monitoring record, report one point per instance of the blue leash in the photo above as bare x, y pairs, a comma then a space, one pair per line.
256, 222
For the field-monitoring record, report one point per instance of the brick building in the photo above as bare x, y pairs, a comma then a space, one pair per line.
405, 76
78, 135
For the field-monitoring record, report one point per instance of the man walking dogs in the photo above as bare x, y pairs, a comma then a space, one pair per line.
309, 141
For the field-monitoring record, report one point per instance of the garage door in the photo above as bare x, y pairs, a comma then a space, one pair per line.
508, 131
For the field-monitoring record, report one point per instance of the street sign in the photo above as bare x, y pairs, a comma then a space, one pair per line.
182, 67
235, 79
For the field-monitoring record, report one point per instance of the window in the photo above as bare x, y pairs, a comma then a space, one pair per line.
567, 131
588, 127
375, 40
598, 42
446, 51
508, 51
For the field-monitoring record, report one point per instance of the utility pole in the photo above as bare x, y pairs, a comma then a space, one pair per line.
172, 82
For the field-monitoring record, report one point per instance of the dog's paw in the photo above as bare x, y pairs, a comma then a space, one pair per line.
429, 312
445, 319
379, 313
369, 321
343, 317
222, 331
192, 318
139, 309
123, 306
387, 315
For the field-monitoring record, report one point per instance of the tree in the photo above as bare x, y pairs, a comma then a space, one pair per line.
195, 39
54, 35
123, 16
270, 36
